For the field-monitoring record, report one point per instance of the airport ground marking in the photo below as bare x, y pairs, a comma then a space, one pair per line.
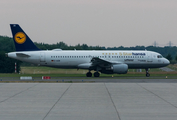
156, 95
56, 102
113, 102
18, 93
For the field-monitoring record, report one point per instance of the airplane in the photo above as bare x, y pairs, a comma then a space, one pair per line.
101, 61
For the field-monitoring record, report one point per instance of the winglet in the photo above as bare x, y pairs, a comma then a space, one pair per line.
21, 39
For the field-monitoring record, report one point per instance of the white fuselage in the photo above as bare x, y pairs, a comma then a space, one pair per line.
72, 59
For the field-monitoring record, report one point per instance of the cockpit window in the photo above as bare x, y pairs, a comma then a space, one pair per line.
159, 56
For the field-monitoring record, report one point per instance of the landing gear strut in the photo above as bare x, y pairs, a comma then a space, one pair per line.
147, 73
89, 74
96, 74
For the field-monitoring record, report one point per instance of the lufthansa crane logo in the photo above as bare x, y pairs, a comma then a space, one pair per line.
20, 37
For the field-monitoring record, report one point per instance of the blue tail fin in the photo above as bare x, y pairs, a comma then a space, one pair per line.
21, 39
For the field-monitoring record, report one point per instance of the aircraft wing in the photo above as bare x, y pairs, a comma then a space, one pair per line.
98, 61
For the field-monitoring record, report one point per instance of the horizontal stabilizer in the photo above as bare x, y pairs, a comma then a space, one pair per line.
22, 55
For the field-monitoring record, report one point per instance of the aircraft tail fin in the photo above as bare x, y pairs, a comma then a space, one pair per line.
21, 39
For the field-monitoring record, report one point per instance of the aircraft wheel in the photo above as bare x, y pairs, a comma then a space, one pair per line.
96, 74
89, 74
147, 75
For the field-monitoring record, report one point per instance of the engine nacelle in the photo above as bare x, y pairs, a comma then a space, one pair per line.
120, 68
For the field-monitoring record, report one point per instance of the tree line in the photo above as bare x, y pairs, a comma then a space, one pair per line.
7, 45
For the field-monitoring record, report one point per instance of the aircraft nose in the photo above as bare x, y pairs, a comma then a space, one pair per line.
166, 61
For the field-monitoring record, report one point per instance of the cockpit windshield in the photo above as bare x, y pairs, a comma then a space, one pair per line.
159, 56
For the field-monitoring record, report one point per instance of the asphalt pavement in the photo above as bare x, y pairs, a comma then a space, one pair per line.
89, 101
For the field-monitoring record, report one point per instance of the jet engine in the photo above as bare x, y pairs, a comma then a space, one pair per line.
116, 68
120, 68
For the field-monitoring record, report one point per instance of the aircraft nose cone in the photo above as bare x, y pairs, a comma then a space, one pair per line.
166, 62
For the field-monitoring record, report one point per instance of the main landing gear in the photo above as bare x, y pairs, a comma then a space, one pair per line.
89, 74
96, 74
147, 73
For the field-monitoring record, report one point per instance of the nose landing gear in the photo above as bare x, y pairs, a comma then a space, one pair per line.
147, 73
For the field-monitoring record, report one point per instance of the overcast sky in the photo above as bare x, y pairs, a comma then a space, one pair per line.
109, 23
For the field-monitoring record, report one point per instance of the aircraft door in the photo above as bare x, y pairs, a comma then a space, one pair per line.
149, 57
42, 57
